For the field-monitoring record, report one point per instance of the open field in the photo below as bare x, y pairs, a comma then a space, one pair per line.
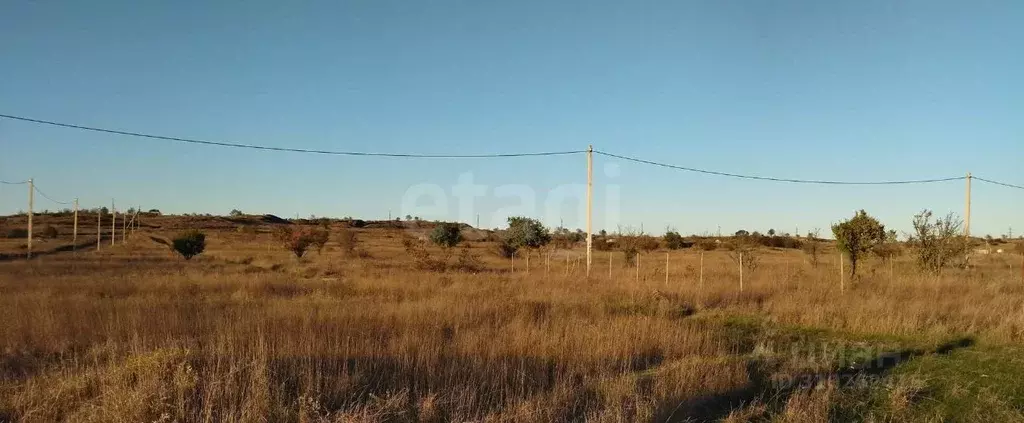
247, 332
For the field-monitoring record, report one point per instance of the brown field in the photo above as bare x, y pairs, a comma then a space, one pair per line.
246, 332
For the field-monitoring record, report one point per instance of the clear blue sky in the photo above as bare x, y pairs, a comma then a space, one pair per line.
855, 90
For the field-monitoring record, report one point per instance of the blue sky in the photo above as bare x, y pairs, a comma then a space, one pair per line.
857, 90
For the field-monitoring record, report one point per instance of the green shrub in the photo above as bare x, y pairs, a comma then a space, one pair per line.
446, 235
674, 241
189, 243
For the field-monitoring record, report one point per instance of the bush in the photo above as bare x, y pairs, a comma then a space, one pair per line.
745, 254
601, 243
674, 241
17, 233
813, 247
422, 258
348, 241
189, 243
357, 223
446, 235
505, 249
236, 213
467, 262
939, 244
50, 232
298, 241
707, 245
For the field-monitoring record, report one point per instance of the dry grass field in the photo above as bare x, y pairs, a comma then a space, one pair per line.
246, 332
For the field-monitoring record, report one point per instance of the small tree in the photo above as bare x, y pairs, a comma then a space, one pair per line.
235, 213
771, 232
742, 232
298, 241
446, 235
319, 238
745, 253
347, 240
189, 243
939, 244
858, 236
812, 246
526, 232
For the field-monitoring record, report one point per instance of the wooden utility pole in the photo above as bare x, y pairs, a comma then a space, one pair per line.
590, 203
610, 264
967, 211
113, 223
124, 228
74, 232
31, 200
513, 262
99, 227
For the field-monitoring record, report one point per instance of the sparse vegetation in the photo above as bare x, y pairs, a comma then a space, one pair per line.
421, 333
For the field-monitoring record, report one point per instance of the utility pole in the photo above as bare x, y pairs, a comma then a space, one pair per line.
590, 203
113, 222
124, 228
74, 233
967, 213
31, 199
99, 227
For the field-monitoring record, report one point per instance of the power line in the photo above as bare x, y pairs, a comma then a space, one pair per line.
50, 198
286, 149
13, 183
998, 183
769, 178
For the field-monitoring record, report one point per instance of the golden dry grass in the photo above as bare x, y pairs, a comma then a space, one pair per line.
247, 332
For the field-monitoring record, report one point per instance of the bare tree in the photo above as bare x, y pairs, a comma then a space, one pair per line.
940, 243
812, 246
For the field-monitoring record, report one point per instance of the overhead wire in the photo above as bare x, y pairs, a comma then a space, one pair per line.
998, 183
490, 155
286, 149
776, 179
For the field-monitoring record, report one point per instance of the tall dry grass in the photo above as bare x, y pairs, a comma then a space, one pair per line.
248, 333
